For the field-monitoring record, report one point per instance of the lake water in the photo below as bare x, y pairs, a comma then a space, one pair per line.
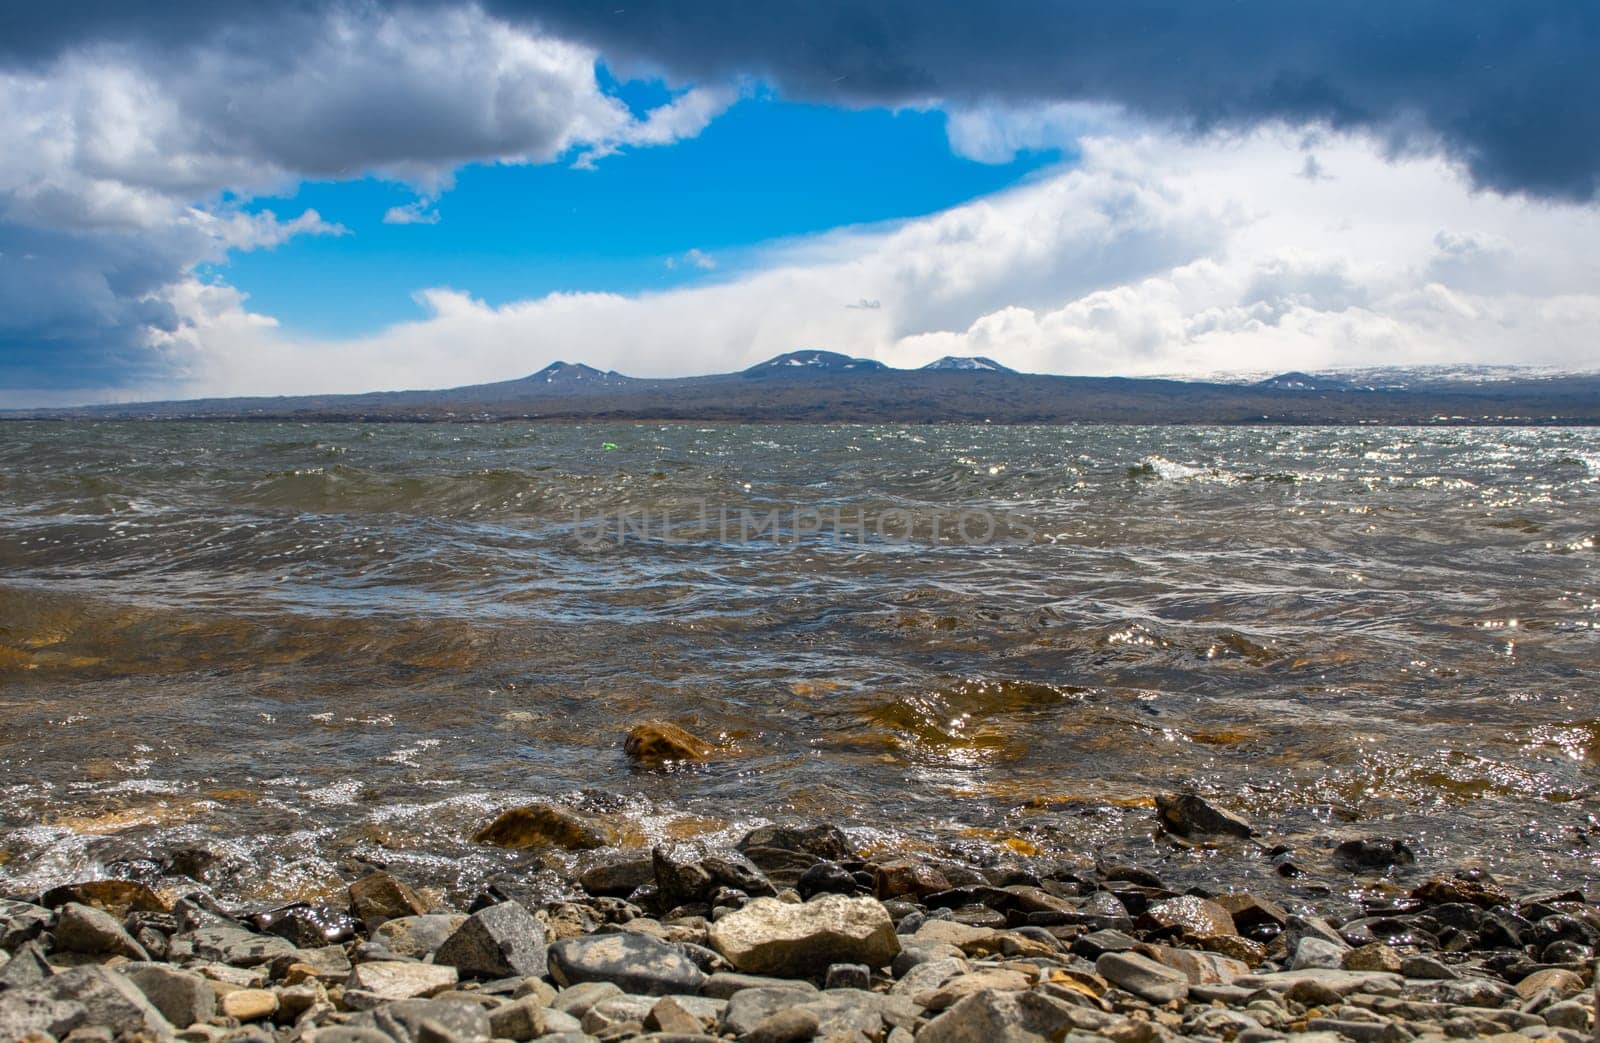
301, 646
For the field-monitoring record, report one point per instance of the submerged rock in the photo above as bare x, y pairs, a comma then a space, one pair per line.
544, 825
1373, 853
117, 897
772, 937
1189, 815
658, 742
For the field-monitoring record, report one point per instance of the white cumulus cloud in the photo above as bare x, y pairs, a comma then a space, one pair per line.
1152, 255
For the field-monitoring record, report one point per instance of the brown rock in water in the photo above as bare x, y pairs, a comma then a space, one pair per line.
1189, 815
654, 742
379, 897
1250, 912
543, 825
1192, 915
1442, 890
117, 897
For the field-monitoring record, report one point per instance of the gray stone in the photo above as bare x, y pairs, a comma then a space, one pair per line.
749, 1007
521, 1020
1001, 1017
790, 1025
1315, 952
577, 999
417, 936
838, 1011
27, 966
501, 941
914, 953
346, 1034
398, 980
724, 984
1567, 1015
24, 1011
848, 976
1426, 967
85, 929
403, 1020
772, 937
637, 963
183, 997
1360, 1031
684, 1015
106, 998
21, 922
617, 1010
1476, 992
1143, 977
237, 947
927, 976
618, 876
1341, 983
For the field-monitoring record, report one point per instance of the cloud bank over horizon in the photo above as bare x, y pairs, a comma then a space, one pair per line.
1247, 186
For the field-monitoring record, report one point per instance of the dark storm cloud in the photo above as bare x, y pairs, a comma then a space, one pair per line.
1509, 89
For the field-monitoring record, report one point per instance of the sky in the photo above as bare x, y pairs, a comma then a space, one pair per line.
223, 198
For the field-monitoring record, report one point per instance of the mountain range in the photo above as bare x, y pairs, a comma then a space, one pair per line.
824, 386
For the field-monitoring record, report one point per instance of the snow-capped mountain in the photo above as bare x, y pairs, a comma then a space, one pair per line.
813, 361
970, 363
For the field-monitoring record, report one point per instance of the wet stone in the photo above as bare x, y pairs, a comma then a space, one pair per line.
662, 742
1192, 915
117, 897
545, 825
1373, 853
1190, 815
820, 841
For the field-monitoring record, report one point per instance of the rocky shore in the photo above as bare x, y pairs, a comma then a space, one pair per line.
796, 934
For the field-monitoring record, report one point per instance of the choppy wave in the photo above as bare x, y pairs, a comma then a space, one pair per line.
298, 643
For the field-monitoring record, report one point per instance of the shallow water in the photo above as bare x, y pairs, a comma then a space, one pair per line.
302, 645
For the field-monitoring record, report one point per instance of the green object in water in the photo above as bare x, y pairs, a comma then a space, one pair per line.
608, 446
